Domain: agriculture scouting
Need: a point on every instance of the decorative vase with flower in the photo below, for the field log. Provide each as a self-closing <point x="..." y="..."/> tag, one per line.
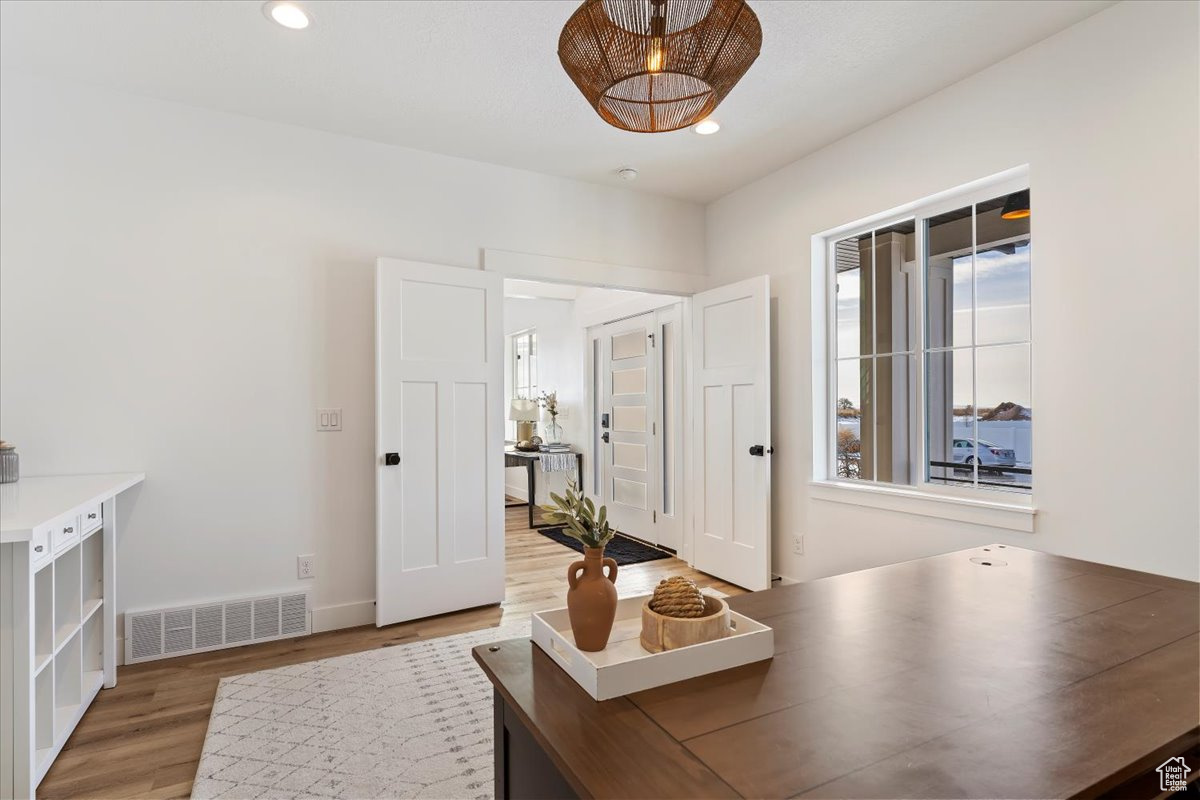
<point x="551" y="410"/>
<point x="592" y="596"/>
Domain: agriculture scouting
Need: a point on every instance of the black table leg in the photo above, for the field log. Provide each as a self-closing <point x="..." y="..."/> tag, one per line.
<point x="531" y="488"/>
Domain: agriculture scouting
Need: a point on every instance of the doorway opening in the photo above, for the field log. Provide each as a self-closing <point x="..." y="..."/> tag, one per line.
<point x="608" y="362"/>
<point x="662" y="401"/>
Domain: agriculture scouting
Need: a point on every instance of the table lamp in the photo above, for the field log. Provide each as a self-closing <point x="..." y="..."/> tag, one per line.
<point x="524" y="412"/>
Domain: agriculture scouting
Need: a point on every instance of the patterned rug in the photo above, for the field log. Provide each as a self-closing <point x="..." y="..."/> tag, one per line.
<point x="622" y="549"/>
<point x="413" y="720"/>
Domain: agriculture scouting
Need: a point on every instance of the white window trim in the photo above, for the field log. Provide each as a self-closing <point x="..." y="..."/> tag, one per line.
<point x="1012" y="511"/>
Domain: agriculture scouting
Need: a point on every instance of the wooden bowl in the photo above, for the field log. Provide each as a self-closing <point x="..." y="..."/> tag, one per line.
<point x="661" y="633"/>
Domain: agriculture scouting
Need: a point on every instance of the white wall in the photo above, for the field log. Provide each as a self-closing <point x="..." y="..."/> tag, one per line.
<point x="181" y="289"/>
<point x="1105" y="114"/>
<point x="560" y="360"/>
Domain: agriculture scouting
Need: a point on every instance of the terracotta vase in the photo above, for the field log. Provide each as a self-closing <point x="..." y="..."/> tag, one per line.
<point x="592" y="599"/>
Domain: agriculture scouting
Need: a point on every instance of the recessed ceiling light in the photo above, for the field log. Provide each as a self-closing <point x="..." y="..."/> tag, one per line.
<point x="706" y="126"/>
<point x="287" y="14"/>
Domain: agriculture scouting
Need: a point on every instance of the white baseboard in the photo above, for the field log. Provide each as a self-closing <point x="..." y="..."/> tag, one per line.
<point x="784" y="580"/>
<point x="346" y="615"/>
<point x="520" y="492"/>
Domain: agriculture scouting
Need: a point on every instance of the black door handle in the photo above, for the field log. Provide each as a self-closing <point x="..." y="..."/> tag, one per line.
<point x="604" y="437"/>
<point x="391" y="459"/>
<point x="757" y="450"/>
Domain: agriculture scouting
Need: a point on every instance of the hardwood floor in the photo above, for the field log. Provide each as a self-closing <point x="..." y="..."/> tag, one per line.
<point x="143" y="737"/>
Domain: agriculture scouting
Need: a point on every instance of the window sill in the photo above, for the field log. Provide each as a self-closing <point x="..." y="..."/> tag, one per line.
<point x="996" y="514"/>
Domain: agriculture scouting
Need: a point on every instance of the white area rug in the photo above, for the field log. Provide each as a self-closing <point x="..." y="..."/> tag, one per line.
<point x="413" y="720"/>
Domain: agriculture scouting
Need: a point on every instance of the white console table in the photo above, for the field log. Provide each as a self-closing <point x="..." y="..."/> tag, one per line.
<point x="58" y="572"/>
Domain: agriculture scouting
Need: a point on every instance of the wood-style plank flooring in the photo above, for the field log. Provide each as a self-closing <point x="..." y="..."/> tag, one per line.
<point x="143" y="737"/>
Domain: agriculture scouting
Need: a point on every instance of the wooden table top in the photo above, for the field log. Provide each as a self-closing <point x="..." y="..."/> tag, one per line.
<point x="1036" y="676"/>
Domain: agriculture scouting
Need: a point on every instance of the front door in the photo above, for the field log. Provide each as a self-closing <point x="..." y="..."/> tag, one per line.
<point x="439" y="349"/>
<point x="731" y="436"/>
<point x="629" y="458"/>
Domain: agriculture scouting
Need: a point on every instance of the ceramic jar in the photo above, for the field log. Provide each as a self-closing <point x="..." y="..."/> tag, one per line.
<point x="592" y="599"/>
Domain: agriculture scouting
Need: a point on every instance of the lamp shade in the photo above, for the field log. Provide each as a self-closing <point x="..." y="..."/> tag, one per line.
<point x="658" y="65"/>
<point x="522" y="410"/>
<point x="1016" y="205"/>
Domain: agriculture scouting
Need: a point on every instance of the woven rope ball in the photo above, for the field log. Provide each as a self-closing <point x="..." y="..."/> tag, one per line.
<point x="677" y="597"/>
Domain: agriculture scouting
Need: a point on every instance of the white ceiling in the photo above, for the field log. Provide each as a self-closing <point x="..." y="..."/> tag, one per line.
<point x="481" y="79"/>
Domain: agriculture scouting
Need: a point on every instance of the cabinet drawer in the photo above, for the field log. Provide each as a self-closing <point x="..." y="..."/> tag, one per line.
<point x="40" y="547"/>
<point x="65" y="533"/>
<point x="90" y="519"/>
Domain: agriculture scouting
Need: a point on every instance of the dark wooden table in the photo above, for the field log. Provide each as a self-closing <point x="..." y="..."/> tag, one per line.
<point x="992" y="672"/>
<point x="525" y="458"/>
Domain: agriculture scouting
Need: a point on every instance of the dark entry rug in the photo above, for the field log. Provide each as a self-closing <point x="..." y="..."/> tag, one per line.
<point x="622" y="549"/>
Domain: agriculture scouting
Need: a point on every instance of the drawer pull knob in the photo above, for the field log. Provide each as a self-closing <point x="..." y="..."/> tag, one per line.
<point x="92" y="515"/>
<point x="69" y="529"/>
<point x="39" y="548"/>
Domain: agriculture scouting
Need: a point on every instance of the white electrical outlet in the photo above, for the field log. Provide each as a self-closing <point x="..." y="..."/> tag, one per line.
<point x="329" y="419"/>
<point x="306" y="566"/>
<point x="798" y="544"/>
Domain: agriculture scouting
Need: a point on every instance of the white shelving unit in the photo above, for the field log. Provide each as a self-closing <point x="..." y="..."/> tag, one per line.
<point x="57" y="618"/>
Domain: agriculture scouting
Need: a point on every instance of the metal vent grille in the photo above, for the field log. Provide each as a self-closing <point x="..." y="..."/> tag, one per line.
<point x="210" y="620"/>
<point x="294" y="615"/>
<point x="237" y="622"/>
<point x="145" y="640"/>
<point x="177" y="636"/>
<point x="266" y="618"/>
<point x="166" y="632"/>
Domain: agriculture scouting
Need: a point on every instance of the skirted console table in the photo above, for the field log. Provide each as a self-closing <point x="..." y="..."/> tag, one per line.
<point x="527" y="460"/>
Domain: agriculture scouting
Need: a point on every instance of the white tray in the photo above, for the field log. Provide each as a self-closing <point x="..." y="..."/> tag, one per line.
<point x="625" y="667"/>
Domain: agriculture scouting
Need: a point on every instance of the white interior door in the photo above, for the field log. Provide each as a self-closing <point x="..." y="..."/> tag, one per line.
<point x="439" y="426"/>
<point x="731" y="419"/>
<point x="629" y="458"/>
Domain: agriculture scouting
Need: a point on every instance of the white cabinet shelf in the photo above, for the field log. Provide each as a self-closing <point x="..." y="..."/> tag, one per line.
<point x="90" y="607"/>
<point x="57" y="621"/>
<point x="63" y="635"/>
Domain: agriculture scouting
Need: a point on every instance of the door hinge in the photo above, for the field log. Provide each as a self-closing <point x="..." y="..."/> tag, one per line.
<point x="650" y="336"/>
<point x="654" y="429"/>
<point x="653" y="516"/>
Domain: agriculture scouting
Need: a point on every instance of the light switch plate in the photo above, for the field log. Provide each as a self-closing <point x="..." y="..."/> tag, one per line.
<point x="329" y="419"/>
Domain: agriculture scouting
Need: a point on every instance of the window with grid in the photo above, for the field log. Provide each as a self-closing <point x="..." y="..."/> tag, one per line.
<point x="524" y="365"/>
<point x="930" y="342"/>
<point x="522" y="380"/>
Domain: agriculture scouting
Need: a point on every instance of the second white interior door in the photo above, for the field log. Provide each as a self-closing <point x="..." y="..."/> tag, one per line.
<point x="629" y="459"/>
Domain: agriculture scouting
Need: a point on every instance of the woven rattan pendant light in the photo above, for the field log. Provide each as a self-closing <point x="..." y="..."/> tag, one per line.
<point x="658" y="65"/>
